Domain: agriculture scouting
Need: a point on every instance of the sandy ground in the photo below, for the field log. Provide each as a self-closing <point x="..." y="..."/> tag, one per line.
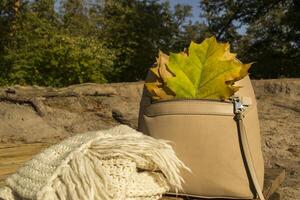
<point x="32" y="118"/>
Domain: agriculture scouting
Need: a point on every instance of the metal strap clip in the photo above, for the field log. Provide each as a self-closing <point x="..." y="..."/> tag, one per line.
<point x="238" y="105"/>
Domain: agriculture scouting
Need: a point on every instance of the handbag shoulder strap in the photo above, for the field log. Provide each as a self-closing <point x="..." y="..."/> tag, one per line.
<point x="247" y="154"/>
<point x="248" y="158"/>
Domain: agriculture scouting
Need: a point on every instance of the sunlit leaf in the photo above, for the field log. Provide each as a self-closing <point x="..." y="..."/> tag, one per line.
<point x="207" y="71"/>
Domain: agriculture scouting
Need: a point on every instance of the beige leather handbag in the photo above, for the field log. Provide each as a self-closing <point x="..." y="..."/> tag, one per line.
<point x="218" y="140"/>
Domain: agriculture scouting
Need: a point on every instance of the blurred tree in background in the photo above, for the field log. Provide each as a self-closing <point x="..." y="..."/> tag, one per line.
<point x="38" y="49"/>
<point x="264" y="31"/>
<point x="63" y="42"/>
<point x="136" y="30"/>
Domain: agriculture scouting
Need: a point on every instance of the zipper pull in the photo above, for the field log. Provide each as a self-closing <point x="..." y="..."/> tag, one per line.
<point x="238" y="105"/>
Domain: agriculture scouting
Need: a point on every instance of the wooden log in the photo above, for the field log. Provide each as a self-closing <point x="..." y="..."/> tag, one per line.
<point x="12" y="156"/>
<point x="34" y="102"/>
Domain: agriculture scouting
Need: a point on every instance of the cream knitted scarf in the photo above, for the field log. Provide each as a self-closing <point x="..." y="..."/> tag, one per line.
<point x="118" y="163"/>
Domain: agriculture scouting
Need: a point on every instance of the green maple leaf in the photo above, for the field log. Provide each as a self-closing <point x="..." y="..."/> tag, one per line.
<point x="208" y="71"/>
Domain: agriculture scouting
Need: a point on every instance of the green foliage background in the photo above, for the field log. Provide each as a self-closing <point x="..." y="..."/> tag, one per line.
<point x="63" y="42"/>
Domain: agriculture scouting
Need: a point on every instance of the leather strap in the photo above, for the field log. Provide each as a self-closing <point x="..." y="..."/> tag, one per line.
<point x="247" y="154"/>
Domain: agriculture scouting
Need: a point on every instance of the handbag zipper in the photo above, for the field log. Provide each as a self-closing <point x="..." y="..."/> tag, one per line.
<point x="239" y="107"/>
<point x="178" y="99"/>
<point x="234" y="101"/>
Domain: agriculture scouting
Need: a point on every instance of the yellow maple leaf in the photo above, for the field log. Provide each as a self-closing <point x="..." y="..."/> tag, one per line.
<point x="207" y="71"/>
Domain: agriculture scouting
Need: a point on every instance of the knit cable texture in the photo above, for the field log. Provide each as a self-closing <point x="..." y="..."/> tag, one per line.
<point x="118" y="163"/>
